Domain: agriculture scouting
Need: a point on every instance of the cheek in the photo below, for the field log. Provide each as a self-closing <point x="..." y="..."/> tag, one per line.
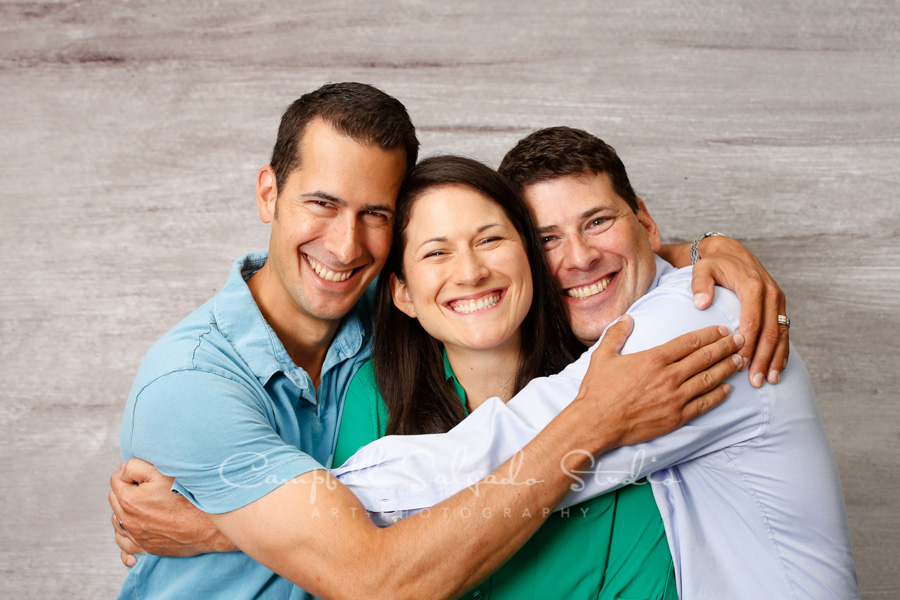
<point x="424" y="284"/>
<point x="554" y="260"/>
<point x="527" y="293"/>
<point x="378" y="243"/>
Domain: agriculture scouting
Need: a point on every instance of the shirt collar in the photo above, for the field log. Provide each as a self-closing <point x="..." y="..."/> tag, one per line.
<point x="243" y="325"/>
<point x="662" y="268"/>
<point x="454" y="383"/>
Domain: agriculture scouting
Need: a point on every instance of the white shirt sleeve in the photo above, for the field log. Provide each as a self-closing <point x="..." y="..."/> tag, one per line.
<point x="410" y="473"/>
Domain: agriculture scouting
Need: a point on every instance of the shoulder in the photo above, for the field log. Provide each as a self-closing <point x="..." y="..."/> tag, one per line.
<point x="668" y="311"/>
<point x="176" y="348"/>
<point x="194" y="347"/>
<point x="189" y="371"/>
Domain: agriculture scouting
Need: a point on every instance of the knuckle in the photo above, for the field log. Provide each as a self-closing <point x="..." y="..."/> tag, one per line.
<point x="691" y="341"/>
<point x="126" y="503"/>
<point x="755" y="286"/>
<point x="751" y="323"/>
<point x="668" y="380"/>
<point x="657" y="358"/>
<point x="770" y="336"/>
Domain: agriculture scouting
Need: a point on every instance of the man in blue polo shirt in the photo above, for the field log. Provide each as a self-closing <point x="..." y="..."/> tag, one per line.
<point x="239" y="402"/>
<point x="244" y="394"/>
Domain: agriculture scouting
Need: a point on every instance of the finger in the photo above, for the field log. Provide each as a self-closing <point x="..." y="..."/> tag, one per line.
<point x="751" y="319"/>
<point x="769" y="336"/>
<point x="124" y="539"/>
<point x="614" y="338"/>
<point x="127" y="544"/>
<point x="129" y="560"/>
<point x="702" y="285"/>
<point x="138" y="471"/>
<point x="705" y="402"/>
<point x="686" y="344"/>
<point x="780" y="357"/>
<point x="119" y="482"/>
<point x="707" y="379"/>
<point x="118" y="511"/>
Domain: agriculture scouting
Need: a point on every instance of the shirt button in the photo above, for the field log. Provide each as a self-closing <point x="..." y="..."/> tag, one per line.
<point x="478" y="595"/>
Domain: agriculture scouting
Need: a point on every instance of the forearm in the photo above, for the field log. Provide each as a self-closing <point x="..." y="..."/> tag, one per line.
<point x="678" y="255"/>
<point x="317" y="535"/>
<point x="489" y="521"/>
<point x="313" y="530"/>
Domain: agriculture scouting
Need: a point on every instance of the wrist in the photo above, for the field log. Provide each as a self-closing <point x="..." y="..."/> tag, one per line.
<point x="705" y="239"/>
<point x="580" y="438"/>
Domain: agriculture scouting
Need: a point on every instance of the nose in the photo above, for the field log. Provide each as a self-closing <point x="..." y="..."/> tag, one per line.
<point x="346" y="240"/>
<point x="579" y="254"/>
<point x="470" y="269"/>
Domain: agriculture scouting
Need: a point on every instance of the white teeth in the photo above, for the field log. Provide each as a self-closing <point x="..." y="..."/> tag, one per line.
<point x="470" y="306"/>
<point x="326" y="273"/>
<point x="589" y="290"/>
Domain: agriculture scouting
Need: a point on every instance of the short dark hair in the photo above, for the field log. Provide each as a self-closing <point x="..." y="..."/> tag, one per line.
<point x="408" y="365"/>
<point x="359" y="111"/>
<point x="559" y="151"/>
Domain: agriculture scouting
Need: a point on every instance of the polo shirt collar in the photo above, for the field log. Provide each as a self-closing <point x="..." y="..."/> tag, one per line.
<point x="454" y="383"/>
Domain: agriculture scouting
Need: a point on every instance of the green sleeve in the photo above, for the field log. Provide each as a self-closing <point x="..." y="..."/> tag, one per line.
<point x="364" y="417"/>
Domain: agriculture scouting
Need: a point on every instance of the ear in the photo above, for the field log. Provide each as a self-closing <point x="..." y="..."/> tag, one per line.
<point x="400" y="294"/>
<point x="266" y="194"/>
<point x="649" y="225"/>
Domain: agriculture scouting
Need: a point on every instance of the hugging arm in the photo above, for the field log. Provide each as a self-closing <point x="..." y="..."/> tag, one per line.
<point x="503" y="428"/>
<point x="315" y="532"/>
<point x="728" y="263"/>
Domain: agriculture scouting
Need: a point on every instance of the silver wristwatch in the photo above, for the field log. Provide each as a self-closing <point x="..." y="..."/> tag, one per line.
<point x="695" y="252"/>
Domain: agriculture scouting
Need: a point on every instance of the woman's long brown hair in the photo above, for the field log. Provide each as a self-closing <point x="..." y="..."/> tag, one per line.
<point x="408" y="363"/>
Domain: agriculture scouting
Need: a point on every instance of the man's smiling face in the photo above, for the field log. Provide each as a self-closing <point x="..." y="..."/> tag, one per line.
<point x="331" y="223"/>
<point x="600" y="251"/>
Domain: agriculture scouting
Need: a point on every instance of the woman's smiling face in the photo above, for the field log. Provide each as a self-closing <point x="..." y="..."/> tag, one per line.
<point x="467" y="277"/>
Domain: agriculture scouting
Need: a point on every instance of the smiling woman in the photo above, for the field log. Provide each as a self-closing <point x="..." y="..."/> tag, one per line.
<point x="469" y="284"/>
<point x="467" y="309"/>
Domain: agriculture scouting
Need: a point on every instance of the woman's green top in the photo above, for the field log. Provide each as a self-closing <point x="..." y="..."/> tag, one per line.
<point x="612" y="547"/>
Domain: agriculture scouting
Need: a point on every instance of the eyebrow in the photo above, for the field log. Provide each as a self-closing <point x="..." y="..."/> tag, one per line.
<point x="581" y="217"/>
<point x="320" y="195"/>
<point x="443" y="239"/>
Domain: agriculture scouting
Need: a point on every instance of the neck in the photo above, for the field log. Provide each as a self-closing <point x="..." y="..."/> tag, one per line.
<point x="487" y="373"/>
<point x="305" y="338"/>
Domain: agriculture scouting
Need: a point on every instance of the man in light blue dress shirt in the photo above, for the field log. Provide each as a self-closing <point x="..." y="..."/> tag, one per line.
<point x="749" y="493"/>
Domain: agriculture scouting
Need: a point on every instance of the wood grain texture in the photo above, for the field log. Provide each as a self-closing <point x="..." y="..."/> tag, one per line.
<point x="132" y="133"/>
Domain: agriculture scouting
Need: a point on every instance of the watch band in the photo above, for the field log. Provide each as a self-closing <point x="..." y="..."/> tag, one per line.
<point x="695" y="252"/>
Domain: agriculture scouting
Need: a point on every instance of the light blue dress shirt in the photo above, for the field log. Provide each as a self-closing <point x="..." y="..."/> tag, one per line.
<point x="219" y="405"/>
<point x="749" y="493"/>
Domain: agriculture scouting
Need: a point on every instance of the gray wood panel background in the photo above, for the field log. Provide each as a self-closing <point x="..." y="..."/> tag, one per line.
<point x="132" y="133"/>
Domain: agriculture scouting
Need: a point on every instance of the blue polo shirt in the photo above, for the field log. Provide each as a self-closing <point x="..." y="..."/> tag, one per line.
<point x="219" y="405"/>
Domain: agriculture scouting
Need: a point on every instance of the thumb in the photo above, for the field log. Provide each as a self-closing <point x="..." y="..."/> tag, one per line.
<point x="614" y="338"/>
<point x="138" y="471"/>
<point x="702" y="285"/>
